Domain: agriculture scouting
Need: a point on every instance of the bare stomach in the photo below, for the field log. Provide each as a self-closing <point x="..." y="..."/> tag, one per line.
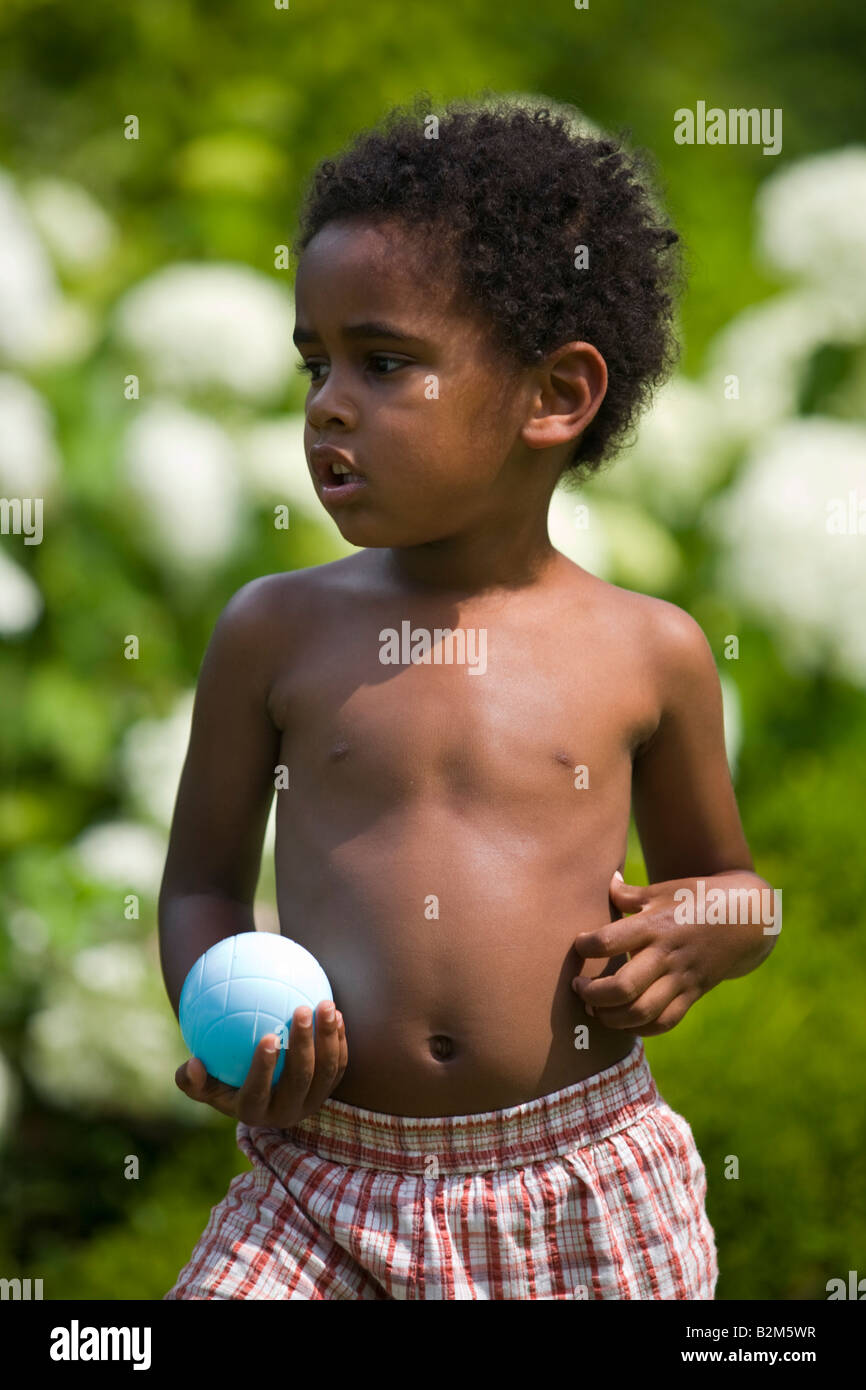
<point x="451" y="958"/>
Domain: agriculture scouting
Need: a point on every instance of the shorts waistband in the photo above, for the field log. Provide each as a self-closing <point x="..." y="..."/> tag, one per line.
<point x="532" y="1132"/>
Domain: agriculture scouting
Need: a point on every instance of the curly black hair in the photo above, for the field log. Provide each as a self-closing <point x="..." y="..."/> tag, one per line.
<point x="507" y="192"/>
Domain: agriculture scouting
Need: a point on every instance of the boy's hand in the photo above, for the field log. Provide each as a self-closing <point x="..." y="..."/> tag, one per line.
<point x="312" y="1070"/>
<point x="670" y="964"/>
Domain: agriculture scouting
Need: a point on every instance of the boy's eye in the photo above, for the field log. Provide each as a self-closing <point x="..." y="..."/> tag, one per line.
<point x="384" y="357"/>
<point x="310" y="367"/>
<point x="375" y="357"/>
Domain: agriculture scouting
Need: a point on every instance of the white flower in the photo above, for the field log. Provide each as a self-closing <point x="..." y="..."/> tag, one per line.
<point x="36" y="324"/>
<point x="678" y="455"/>
<point x="152" y="757"/>
<point x="123" y="853"/>
<point x="575" y="529"/>
<point x="117" y="968"/>
<point x="612" y="540"/>
<point x="181" y="465"/>
<point x="274" y="464"/>
<point x="273" y="459"/>
<point x="106" y="1035"/>
<point x="781" y="558"/>
<point x="28" y="932"/>
<point x="811" y="218"/>
<point x="211" y="325"/>
<point x="767" y="348"/>
<point x="29" y="460"/>
<point x="21" y="603"/>
<point x="73" y="225"/>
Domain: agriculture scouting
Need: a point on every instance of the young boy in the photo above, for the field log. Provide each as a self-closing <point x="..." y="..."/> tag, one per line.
<point x="466" y="718"/>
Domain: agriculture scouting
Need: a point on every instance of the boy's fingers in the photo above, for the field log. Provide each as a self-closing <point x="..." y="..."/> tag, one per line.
<point x="193" y="1079"/>
<point x="617" y="938"/>
<point x="313" y="1067"/>
<point x="288" y="1096"/>
<point x="314" y="1073"/>
<point x="254" y="1097"/>
<point x="632" y="896"/>
<point x="195" y="1082"/>
<point x="328" y="1051"/>
<point x="190" y="1080"/>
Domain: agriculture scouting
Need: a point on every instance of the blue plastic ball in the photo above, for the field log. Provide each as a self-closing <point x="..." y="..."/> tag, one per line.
<point x="242" y="988"/>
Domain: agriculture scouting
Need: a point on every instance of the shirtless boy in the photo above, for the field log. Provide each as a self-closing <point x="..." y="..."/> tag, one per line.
<point x="479" y="1119"/>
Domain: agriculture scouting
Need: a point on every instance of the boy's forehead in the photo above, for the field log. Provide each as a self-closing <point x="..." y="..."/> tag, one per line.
<point x="374" y="270"/>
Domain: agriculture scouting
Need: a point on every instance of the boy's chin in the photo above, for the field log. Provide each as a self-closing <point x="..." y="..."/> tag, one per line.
<point x="370" y="534"/>
<point x="363" y="532"/>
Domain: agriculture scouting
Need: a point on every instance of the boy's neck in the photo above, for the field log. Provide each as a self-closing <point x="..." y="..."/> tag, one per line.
<point x="469" y="566"/>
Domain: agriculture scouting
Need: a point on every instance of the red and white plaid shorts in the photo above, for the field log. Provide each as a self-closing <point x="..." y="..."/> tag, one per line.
<point x="593" y="1192"/>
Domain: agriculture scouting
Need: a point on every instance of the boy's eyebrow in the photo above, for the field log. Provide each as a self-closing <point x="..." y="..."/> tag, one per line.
<point x="359" y="330"/>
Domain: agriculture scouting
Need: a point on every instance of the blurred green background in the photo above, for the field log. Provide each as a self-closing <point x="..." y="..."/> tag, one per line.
<point x="154" y="258"/>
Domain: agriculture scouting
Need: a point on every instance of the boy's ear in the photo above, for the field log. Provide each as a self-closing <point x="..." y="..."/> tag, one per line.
<point x="570" y="386"/>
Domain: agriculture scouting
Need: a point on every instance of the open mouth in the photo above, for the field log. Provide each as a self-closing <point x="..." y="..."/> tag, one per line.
<point x="341" y="476"/>
<point x="334" y="472"/>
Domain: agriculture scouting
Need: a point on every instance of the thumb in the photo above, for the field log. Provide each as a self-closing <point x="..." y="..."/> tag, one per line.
<point x="631" y="897"/>
<point x="192" y="1076"/>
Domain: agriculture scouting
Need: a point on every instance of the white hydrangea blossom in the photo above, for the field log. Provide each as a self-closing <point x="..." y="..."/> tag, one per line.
<point x="613" y="540"/>
<point x="36" y="323"/>
<point x="124" y="854"/>
<point x="274" y="462"/>
<point x="78" y="233"/>
<point x="152" y="756"/>
<point x="105" y="1035"/>
<point x="115" y="967"/>
<point x="811" y="220"/>
<point x="28" y="932"/>
<point x="571" y="530"/>
<point x="274" y="466"/>
<point x="679" y="452"/>
<point x="29" y="458"/>
<point x="21" y="603"/>
<point x="767" y="348"/>
<point x="781" y="561"/>
<point x="181" y="465"/>
<point x="213" y="325"/>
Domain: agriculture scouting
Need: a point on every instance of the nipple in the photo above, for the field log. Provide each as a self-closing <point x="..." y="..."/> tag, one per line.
<point x="441" y="1046"/>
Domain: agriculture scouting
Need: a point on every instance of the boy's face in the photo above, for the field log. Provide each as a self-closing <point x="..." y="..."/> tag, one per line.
<point x="429" y="419"/>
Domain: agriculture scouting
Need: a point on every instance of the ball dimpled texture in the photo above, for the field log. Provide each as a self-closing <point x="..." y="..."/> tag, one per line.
<point x="242" y="988"/>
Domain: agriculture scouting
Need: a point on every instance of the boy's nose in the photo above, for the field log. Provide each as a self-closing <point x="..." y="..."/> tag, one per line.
<point x="331" y="404"/>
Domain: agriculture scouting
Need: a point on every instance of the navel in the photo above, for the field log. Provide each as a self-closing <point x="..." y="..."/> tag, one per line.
<point x="441" y="1046"/>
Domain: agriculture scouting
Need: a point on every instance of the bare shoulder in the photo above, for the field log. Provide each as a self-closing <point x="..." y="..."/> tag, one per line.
<point x="672" y="634"/>
<point x="263" y="622"/>
<point x="663" y="624"/>
<point x="665" y="635"/>
<point x="286" y="597"/>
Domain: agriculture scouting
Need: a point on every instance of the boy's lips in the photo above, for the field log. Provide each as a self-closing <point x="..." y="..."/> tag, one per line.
<point x="336" y="485"/>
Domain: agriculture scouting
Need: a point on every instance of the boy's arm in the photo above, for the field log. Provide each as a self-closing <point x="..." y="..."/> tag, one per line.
<point x="682" y="796"/>
<point x="690" y="831"/>
<point x="225" y="791"/>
